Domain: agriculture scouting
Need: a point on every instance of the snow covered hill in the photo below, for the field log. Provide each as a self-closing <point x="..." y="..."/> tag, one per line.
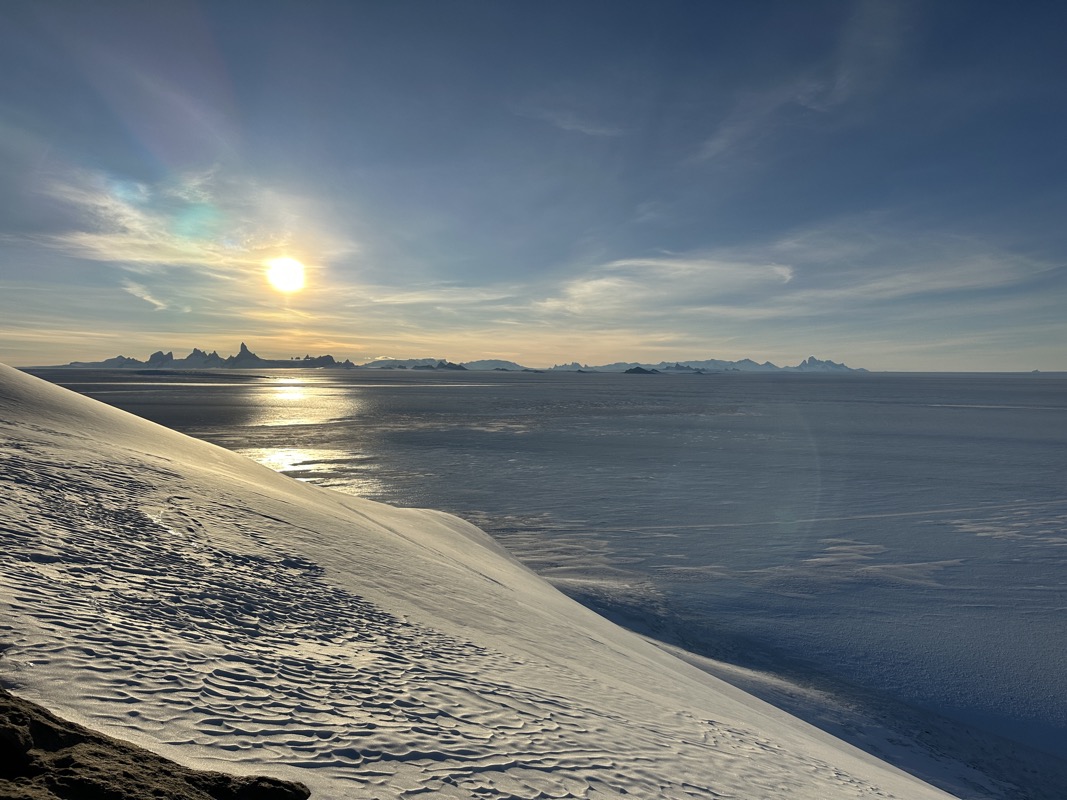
<point x="169" y="592"/>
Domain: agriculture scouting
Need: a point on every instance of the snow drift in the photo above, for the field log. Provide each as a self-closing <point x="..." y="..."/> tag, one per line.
<point x="172" y="593"/>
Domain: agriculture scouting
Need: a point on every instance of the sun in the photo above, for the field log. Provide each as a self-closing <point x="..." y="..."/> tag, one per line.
<point x="285" y="274"/>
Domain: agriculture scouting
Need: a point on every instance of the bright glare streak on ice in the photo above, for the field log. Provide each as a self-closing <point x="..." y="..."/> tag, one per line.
<point x="349" y="472"/>
<point x="295" y="402"/>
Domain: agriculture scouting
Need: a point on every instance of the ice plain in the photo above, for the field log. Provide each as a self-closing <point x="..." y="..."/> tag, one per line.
<point x="172" y="593"/>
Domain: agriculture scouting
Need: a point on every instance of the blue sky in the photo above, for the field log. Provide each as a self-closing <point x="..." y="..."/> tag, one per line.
<point x="880" y="183"/>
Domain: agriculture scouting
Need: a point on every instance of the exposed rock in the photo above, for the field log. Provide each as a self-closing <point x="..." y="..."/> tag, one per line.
<point x="202" y="360"/>
<point x="813" y="364"/>
<point x="160" y="359"/>
<point x="43" y="757"/>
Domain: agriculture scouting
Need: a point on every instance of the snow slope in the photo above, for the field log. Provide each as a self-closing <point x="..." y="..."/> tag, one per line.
<point x="169" y="592"/>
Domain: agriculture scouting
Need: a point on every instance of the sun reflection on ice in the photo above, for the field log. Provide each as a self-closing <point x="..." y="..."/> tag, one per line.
<point x="302" y="401"/>
<point x="291" y="393"/>
<point x="352" y="473"/>
<point x="308" y="409"/>
<point x="287" y="459"/>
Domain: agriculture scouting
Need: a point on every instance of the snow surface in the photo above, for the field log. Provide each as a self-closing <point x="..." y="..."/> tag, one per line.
<point x="170" y="592"/>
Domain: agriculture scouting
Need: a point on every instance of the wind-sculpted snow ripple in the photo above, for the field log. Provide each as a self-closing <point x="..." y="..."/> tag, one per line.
<point x="170" y="615"/>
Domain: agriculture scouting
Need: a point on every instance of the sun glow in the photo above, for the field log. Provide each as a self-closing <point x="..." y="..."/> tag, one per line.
<point x="285" y="274"/>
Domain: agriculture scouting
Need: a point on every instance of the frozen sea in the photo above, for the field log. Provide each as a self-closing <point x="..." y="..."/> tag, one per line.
<point x="903" y="535"/>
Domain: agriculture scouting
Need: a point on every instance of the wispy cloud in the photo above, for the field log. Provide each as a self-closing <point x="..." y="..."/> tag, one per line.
<point x="142" y="292"/>
<point x="868" y="50"/>
<point x="570" y="109"/>
<point x="200" y="220"/>
<point x="647" y="286"/>
<point x="866" y="260"/>
<point x="437" y="295"/>
<point x="752" y="118"/>
<point x="572" y="121"/>
<point x="846" y="286"/>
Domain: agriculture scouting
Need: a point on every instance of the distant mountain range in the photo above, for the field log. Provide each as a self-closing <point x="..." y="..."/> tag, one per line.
<point x="708" y="366"/>
<point x="198" y="359"/>
<point x="246" y="359"/>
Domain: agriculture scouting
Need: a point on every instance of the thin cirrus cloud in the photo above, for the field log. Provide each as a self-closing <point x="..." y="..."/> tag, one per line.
<point x="867" y="52"/>
<point x="196" y="228"/>
<point x="562" y="112"/>
<point x="144" y="228"/>
<point x="870" y="262"/>
<point x="142" y="292"/>
<point x="838" y="272"/>
<point x="752" y="120"/>
<point x="174" y="97"/>
<point x="648" y="286"/>
<point x="571" y="121"/>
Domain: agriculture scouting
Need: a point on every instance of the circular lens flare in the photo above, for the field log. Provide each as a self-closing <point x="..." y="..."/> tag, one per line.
<point x="285" y="274"/>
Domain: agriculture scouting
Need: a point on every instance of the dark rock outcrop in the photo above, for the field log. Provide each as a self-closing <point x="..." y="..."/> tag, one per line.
<point x="159" y="359"/>
<point x="43" y="757"/>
